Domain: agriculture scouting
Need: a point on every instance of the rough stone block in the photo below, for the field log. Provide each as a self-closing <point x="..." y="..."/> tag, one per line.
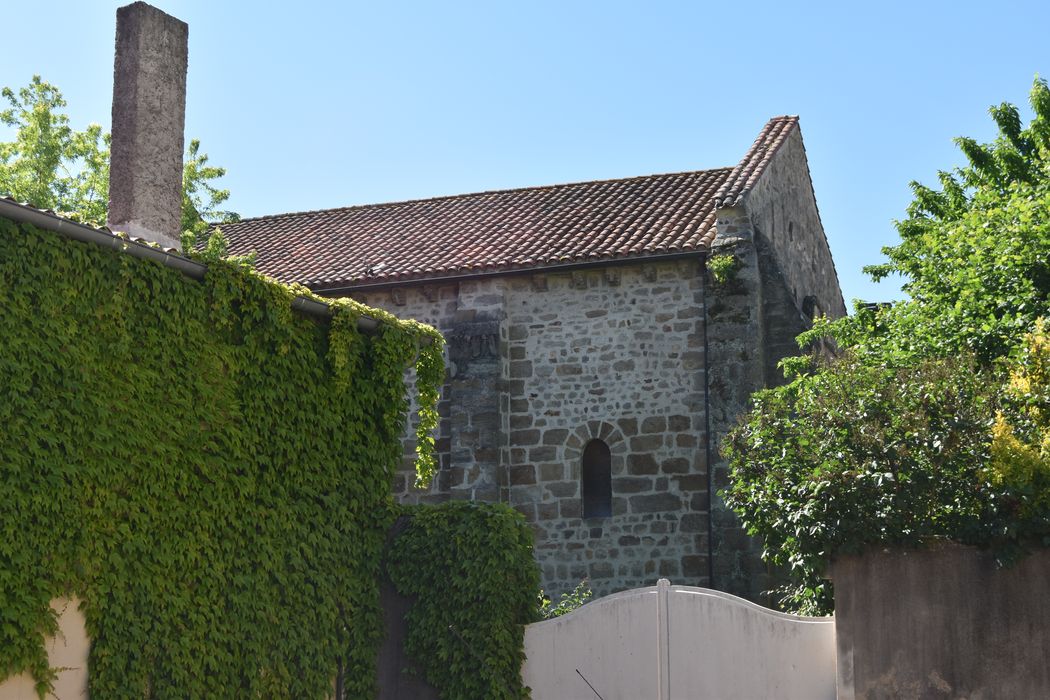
<point x="655" y="503"/>
<point x="528" y="510"/>
<point x="641" y="464"/>
<point x="570" y="508"/>
<point x="546" y="453"/>
<point x="675" y="465"/>
<point x="693" y="482"/>
<point x="546" y="511"/>
<point x="522" y="474"/>
<point x="520" y="369"/>
<point x="692" y="360"/>
<point x="555" y="436"/>
<point x="678" y="423"/>
<point x="148" y="118"/>
<point x="654" y="424"/>
<point x="563" y="489"/>
<point x="693" y="522"/>
<point x="552" y="472"/>
<point x="647" y="443"/>
<point x="694" y="566"/>
<point x="685" y="440"/>
<point x="669" y="567"/>
<point x="628" y="426"/>
<point x="525" y="438"/>
<point x="631" y="484"/>
<point x="520" y="421"/>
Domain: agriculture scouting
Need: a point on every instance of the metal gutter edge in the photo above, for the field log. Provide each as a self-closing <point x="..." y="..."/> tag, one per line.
<point x="566" y="267"/>
<point x="190" y="268"/>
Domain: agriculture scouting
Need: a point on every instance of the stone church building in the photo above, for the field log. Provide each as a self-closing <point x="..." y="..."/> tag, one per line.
<point x="594" y="360"/>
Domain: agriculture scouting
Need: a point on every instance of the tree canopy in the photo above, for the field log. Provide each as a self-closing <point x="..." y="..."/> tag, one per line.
<point x="51" y="165"/>
<point x="893" y="440"/>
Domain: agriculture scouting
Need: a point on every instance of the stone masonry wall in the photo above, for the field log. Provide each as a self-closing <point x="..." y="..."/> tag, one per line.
<point x="541" y="364"/>
<point x="614" y="354"/>
<point x="785" y="277"/>
<point x="784" y="213"/>
<point x="737" y="358"/>
<point x="471" y="434"/>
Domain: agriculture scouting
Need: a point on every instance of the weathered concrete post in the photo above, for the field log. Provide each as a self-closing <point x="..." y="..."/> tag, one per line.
<point x="149" y="105"/>
<point x="941" y="622"/>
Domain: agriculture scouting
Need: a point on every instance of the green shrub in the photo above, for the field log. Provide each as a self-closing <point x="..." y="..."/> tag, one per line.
<point x="723" y="267"/>
<point x="471" y="570"/>
<point x="567" y="603"/>
<point x="854" y="455"/>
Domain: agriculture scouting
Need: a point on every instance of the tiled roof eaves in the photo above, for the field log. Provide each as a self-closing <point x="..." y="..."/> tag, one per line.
<point x="488" y="233"/>
<point x="472" y="195"/>
<point x="458" y="275"/>
<point x="754" y="162"/>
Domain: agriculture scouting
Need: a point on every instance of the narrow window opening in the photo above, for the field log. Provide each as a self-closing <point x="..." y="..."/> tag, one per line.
<point x="597" y="480"/>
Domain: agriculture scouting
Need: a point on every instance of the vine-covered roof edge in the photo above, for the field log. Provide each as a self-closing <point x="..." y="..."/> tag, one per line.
<point x="139" y="248"/>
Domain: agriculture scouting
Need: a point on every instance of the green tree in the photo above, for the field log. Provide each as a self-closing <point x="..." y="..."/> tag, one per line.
<point x="51" y="165"/>
<point x="892" y="441"/>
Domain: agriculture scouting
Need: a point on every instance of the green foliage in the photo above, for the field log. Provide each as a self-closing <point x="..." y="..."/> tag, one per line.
<point x="200" y="198"/>
<point x="723" y="267"/>
<point x="856" y="454"/>
<point x="49" y="164"/>
<point x="207" y="470"/>
<point x="893" y="442"/>
<point x="1020" y="459"/>
<point x="567" y="603"/>
<point x="975" y="256"/>
<point x="470" y="568"/>
<point x="53" y="166"/>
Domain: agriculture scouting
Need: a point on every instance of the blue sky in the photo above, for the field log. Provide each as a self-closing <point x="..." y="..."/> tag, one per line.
<point x="314" y="105"/>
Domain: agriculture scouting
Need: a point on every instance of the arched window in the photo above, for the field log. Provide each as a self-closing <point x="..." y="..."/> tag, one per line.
<point x="596" y="480"/>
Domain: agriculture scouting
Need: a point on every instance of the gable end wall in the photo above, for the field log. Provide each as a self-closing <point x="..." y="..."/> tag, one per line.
<point x="783" y="211"/>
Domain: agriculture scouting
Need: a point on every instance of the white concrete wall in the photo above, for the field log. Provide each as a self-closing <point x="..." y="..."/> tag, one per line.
<point x="676" y="642"/>
<point x="67" y="653"/>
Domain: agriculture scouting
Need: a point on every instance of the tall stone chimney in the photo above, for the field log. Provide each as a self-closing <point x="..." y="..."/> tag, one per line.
<point x="149" y="115"/>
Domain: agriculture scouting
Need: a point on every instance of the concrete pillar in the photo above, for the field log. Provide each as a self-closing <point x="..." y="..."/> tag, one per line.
<point x="149" y="106"/>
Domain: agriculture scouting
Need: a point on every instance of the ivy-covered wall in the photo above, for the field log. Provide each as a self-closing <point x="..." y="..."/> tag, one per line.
<point x="206" y="469"/>
<point x="468" y="568"/>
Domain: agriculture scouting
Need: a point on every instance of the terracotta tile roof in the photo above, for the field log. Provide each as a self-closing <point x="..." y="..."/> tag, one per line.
<point x="491" y="232"/>
<point x="747" y="172"/>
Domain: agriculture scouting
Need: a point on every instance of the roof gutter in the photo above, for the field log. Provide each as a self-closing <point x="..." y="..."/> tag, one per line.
<point x="564" y="267"/>
<point x="190" y="268"/>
